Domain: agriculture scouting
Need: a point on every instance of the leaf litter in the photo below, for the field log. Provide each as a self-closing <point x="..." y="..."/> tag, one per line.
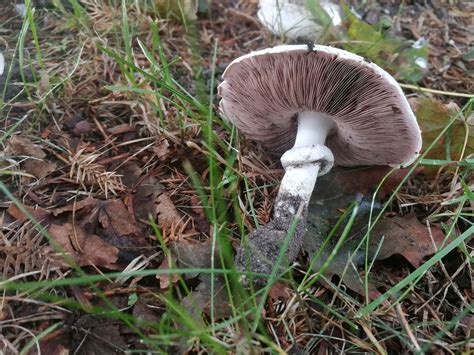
<point x="398" y="235"/>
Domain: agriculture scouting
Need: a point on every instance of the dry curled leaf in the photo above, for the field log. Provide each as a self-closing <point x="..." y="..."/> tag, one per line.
<point x="34" y="163"/>
<point x="84" y="248"/>
<point x="115" y="216"/>
<point x="168" y="215"/>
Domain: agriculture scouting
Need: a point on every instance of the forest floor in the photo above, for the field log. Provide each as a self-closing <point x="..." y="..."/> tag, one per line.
<point x="123" y="194"/>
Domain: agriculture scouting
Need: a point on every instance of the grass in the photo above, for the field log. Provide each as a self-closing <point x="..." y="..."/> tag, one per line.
<point x="147" y="80"/>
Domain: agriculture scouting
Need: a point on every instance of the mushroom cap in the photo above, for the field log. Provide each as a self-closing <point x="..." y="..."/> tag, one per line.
<point x="292" y="19"/>
<point x="2" y="63"/>
<point x="263" y="92"/>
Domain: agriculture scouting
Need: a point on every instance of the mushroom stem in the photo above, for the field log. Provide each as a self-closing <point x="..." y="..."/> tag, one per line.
<point x="308" y="158"/>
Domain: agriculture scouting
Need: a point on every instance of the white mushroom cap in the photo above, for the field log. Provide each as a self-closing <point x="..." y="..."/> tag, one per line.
<point x="2" y="63"/>
<point x="291" y="18"/>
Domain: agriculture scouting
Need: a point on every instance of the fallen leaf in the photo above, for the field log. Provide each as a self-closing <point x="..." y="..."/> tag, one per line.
<point x="114" y="215"/>
<point x="96" y="335"/>
<point x="35" y="163"/>
<point x="76" y="206"/>
<point x="84" y="127"/>
<point x="143" y="311"/>
<point x="193" y="254"/>
<point x="121" y="128"/>
<point x="181" y="10"/>
<point x="145" y="198"/>
<point x="166" y="212"/>
<point x="52" y="345"/>
<point x="131" y="173"/>
<point x="363" y="180"/>
<point x="279" y="291"/>
<point x="167" y="279"/>
<point x="405" y="236"/>
<point x="199" y="301"/>
<point x="85" y="249"/>
<point x="433" y="116"/>
<point x="38" y="213"/>
<point x="23" y="146"/>
<point x="38" y="168"/>
<point x="162" y="150"/>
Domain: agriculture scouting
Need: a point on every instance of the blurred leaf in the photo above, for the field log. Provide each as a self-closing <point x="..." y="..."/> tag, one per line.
<point x="317" y="11"/>
<point x="181" y="10"/>
<point x="392" y="53"/>
<point x="132" y="299"/>
<point x="433" y="116"/>
<point x="203" y="6"/>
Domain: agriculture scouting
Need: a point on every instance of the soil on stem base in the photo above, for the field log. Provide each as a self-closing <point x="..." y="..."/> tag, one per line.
<point x="260" y="253"/>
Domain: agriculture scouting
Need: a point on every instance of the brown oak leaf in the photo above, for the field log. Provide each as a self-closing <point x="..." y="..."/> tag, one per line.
<point x="85" y="249"/>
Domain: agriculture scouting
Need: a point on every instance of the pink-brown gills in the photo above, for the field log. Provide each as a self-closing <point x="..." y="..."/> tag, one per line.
<point x="262" y="94"/>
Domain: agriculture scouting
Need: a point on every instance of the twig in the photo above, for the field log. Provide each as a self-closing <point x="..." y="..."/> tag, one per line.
<point x="433" y="91"/>
<point x="406" y="326"/>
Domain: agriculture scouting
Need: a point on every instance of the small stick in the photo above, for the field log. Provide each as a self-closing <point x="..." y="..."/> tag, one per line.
<point x="405" y="325"/>
<point x="433" y="91"/>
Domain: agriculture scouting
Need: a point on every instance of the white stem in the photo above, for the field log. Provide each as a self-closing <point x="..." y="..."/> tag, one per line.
<point x="313" y="128"/>
<point x="308" y="157"/>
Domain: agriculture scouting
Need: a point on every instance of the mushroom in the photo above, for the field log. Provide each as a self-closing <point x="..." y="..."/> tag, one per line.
<point x="2" y="63"/>
<point x="314" y="106"/>
<point x="292" y="19"/>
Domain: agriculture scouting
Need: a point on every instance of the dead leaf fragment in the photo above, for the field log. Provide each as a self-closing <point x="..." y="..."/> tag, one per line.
<point x="178" y="9"/>
<point x="145" y="198"/>
<point x="162" y="150"/>
<point x="193" y="254"/>
<point x="38" y="168"/>
<point x="84" y="127"/>
<point x="114" y="215"/>
<point x="406" y="236"/>
<point x="35" y="164"/>
<point x="122" y="128"/>
<point x="85" y="249"/>
<point x="167" y="279"/>
<point x="76" y="206"/>
<point x="199" y="301"/>
<point x="39" y="214"/>
<point x="23" y="146"/>
<point x="363" y="180"/>
<point x="433" y="116"/>
<point x="168" y="215"/>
